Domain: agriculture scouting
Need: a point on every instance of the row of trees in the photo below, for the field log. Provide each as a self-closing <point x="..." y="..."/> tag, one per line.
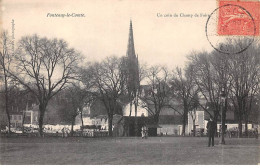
<point x="201" y="83"/>
<point x="235" y="76"/>
<point x="44" y="67"/>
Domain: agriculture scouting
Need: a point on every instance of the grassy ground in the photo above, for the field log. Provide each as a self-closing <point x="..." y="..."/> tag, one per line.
<point x="130" y="150"/>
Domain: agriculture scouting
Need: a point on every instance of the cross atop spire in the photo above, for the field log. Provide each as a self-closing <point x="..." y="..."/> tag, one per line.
<point x="130" y="47"/>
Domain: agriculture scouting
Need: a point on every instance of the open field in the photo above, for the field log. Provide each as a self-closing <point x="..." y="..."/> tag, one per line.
<point x="130" y="150"/>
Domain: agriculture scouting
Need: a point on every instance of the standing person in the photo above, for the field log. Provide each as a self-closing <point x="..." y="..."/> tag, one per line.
<point x="211" y="131"/>
<point x="6" y="129"/>
<point x="143" y="132"/>
<point x="63" y="132"/>
<point x="66" y="133"/>
<point x="256" y="133"/>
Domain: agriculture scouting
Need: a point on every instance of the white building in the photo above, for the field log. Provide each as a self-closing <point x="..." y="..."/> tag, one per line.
<point x="141" y="111"/>
<point x="201" y="121"/>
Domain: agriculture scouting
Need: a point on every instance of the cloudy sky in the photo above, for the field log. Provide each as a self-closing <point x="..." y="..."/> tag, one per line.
<point x="104" y="29"/>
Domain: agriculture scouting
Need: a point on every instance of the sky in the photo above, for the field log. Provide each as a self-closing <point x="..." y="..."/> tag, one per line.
<point x="159" y="39"/>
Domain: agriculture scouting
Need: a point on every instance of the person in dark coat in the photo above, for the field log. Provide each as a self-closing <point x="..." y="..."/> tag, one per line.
<point x="211" y="132"/>
<point x="256" y="133"/>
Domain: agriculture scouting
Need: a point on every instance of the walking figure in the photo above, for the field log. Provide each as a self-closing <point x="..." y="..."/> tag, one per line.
<point x="211" y="131"/>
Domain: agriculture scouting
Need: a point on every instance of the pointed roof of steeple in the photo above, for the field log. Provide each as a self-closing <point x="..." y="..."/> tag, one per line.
<point x="130" y="46"/>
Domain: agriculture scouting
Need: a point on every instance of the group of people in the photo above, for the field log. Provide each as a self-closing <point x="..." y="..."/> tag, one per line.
<point x="65" y="132"/>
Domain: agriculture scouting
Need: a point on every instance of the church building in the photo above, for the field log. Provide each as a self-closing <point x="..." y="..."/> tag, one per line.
<point x="133" y="111"/>
<point x="130" y="107"/>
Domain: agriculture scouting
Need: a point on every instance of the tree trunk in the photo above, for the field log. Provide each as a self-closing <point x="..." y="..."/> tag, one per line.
<point x="156" y="118"/>
<point x="246" y="125"/>
<point x="245" y="114"/>
<point x="24" y="113"/>
<point x="136" y="122"/>
<point x="110" y="124"/>
<point x="72" y="125"/>
<point x="130" y="108"/>
<point x="223" y="122"/>
<point x="127" y="122"/>
<point x="185" y="116"/>
<point x="42" y="108"/>
<point x="239" y="128"/>
<point x="183" y="126"/>
<point x="82" y="123"/>
<point x="194" y="128"/>
<point x="6" y="102"/>
<point x="240" y="114"/>
<point x="215" y="119"/>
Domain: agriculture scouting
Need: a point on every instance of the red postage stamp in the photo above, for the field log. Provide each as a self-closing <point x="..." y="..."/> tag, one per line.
<point x="239" y="18"/>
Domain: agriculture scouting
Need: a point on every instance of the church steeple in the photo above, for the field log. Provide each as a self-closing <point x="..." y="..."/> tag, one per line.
<point x="131" y="47"/>
<point x="132" y="64"/>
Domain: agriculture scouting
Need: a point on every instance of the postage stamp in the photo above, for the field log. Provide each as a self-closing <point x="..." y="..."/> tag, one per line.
<point x="239" y="18"/>
<point x="231" y="22"/>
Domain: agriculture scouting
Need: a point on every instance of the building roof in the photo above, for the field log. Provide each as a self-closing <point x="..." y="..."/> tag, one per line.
<point x="170" y="119"/>
<point x="153" y="126"/>
<point x="101" y="117"/>
<point x="169" y="111"/>
<point x="116" y="118"/>
<point x="229" y="115"/>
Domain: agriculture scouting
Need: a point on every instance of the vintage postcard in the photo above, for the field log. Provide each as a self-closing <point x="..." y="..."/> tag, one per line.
<point x="122" y="82"/>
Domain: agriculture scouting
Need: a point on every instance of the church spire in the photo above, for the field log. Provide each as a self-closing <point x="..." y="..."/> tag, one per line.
<point x="131" y="47"/>
<point x="132" y="64"/>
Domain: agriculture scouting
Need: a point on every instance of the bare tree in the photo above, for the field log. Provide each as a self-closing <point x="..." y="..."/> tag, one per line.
<point x="184" y="91"/>
<point x="193" y="113"/>
<point x="109" y="83"/>
<point x="75" y="99"/>
<point x="233" y="77"/>
<point x="157" y="97"/>
<point x="86" y="87"/>
<point x="221" y="65"/>
<point x="207" y="82"/>
<point x="245" y="68"/>
<point x="5" y="61"/>
<point x="44" y="66"/>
